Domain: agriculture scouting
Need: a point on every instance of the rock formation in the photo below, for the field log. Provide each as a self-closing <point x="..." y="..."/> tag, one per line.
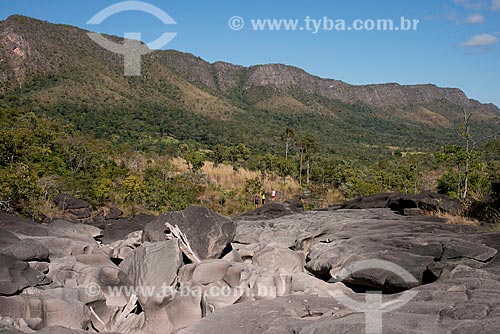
<point x="195" y="271"/>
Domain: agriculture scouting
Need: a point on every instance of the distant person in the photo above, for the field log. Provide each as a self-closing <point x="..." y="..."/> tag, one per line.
<point x="263" y="199"/>
<point x="256" y="201"/>
<point x="273" y="195"/>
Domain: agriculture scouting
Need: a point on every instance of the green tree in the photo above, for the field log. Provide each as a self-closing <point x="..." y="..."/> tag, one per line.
<point x="133" y="189"/>
<point x="287" y="136"/>
<point x="308" y="148"/>
<point x="462" y="165"/>
<point x="469" y="155"/>
<point x="284" y="167"/>
<point x="19" y="189"/>
<point x="238" y="155"/>
<point x="102" y="189"/>
<point x="194" y="159"/>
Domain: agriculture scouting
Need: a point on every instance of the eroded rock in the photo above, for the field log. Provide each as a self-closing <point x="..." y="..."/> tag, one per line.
<point x="208" y="233"/>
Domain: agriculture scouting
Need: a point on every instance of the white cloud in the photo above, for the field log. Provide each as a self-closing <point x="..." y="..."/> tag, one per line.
<point x="446" y="14"/>
<point x="495" y="5"/>
<point x="472" y="4"/>
<point x="475" y="19"/>
<point x="481" y="40"/>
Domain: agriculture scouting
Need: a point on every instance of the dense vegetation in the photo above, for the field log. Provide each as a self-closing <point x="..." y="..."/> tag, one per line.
<point x="41" y="157"/>
<point x="71" y="122"/>
<point x="181" y="97"/>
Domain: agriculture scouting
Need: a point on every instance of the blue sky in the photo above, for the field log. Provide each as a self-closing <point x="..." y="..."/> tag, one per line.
<point x="456" y="44"/>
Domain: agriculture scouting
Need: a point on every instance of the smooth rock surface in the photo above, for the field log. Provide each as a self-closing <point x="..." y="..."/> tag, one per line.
<point x="208" y="232"/>
<point x="153" y="266"/>
<point x="298" y="273"/>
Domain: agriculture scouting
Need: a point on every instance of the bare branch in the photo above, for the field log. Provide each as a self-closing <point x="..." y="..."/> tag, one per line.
<point x="175" y="232"/>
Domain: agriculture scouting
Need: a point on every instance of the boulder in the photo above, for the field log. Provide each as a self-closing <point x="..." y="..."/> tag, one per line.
<point x="24" y="250"/>
<point x="208" y="233"/>
<point x="169" y="314"/>
<point x="273" y="210"/>
<point x="67" y="202"/>
<point x="118" y="229"/>
<point x="256" y="282"/>
<point x="210" y="271"/>
<point x="306" y="284"/>
<point x="62" y="247"/>
<point x="16" y="275"/>
<point x="16" y="224"/>
<point x="7" y="238"/>
<point x="334" y="240"/>
<point x="426" y="201"/>
<point x="64" y="229"/>
<point x="61" y="330"/>
<point x="464" y="302"/>
<point x="80" y="271"/>
<point x="122" y="248"/>
<point x="370" y="202"/>
<point x="113" y="213"/>
<point x="78" y="208"/>
<point x="45" y="308"/>
<point x="277" y="259"/>
<point x="295" y="205"/>
<point x="153" y="267"/>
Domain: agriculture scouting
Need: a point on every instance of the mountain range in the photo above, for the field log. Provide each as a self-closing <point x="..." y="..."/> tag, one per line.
<point x="59" y="71"/>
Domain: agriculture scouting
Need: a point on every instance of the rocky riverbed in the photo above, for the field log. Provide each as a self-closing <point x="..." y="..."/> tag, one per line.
<point x="273" y="270"/>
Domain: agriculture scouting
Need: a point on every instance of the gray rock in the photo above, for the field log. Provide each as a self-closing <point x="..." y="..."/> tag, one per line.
<point x="123" y="248"/>
<point x="21" y="225"/>
<point x="117" y="229"/>
<point x="334" y="240"/>
<point x="62" y="247"/>
<point x="114" y="213"/>
<point x="68" y="202"/>
<point x="167" y="315"/>
<point x="55" y="307"/>
<point x="16" y="275"/>
<point x="464" y="302"/>
<point x="281" y="260"/>
<point x="78" y="208"/>
<point x="25" y="250"/>
<point x="495" y="186"/>
<point x="210" y="271"/>
<point x="261" y="286"/>
<point x="426" y="201"/>
<point x="209" y="233"/>
<point x="153" y="266"/>
<point x="64" y="229"/>
<point x="273" y="210"/>
<point x="61" y="330"/>
<point x="369" y="202"/>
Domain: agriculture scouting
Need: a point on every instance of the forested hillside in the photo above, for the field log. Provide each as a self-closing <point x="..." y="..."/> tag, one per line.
<point x="72" y="122"/>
